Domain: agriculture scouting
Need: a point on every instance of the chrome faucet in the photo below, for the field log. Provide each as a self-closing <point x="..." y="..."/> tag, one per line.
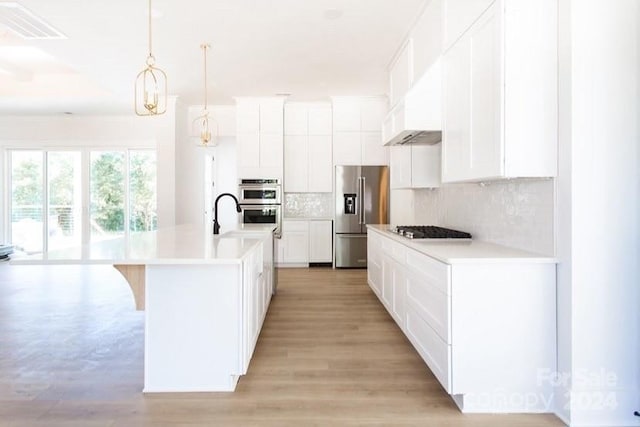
<point x="216" y="224"/>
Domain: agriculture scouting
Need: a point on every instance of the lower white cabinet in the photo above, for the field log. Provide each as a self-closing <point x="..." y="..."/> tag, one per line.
<point x="304" y="242"/>
<point x="293" y="246"/>
<point x="320" y="241"/>
<point x="485" y="327"/>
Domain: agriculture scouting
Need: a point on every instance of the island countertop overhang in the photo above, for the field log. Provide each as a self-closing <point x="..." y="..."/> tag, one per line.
<point x="181" y="244"/>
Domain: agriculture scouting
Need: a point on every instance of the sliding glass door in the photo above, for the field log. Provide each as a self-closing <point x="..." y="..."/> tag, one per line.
<point x="64" y="199"/>
<point x="27" y="200"/>
<point x="55" y="193"/>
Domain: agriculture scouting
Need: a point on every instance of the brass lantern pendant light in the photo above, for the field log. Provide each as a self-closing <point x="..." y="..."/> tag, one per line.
<point x="151" y="85"/>
<point x="202" y="125"/>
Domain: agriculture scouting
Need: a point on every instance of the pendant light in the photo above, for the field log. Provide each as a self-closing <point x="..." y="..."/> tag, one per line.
<point x="203" y="123"/>
<point x="151" y="85"/>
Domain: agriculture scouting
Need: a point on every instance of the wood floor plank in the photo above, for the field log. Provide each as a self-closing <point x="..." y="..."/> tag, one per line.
<point x="71" y="354"/>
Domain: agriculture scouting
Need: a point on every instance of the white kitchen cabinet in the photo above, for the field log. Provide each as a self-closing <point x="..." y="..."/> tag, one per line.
<point x="394" y="283"/>
<point x="418" y="117"/>
<point x="305" y="241"/>
<point x="401" y="73"/>
<point x="293" y="246"/>
<point x="320" y="161"/>
<point x="346" y="115"/>
<point x="320" y="120"/>
<point x="373" y="151"/>
<point x="426" y="36"/>
<point x="308" y="162"/>
<point x="415" y="166"/>
<point x="296" y="162"/>
<point x="458" y="16"/>
<point x="361" y="143"/>
<point x="347" y="148"/>
<point x="500" y="89"/>
<point x="295" y="119"/>
<point x="321" y="241"/>
<point x="260" y="126"/>
<point x="497" y="313"/>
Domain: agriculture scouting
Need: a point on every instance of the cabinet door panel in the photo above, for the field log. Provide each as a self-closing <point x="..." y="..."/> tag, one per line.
<point x="346" y="116"/>
<point x="425" y="166"/>
<point x="320" y="241"/>
<point x="320" y="122"/>
<point x="346" y="148"/>
<point x="373" y="152"/>
<point x="486" y="74"/>
<point x="295" y="120"/>
<point x="400" y="74"/>
<point x="248" y="117"/>
<point x="297" y="247"/>
<point x="457" y="112"/>
<point x="271" y="117"/>
<point x="427" y="38"/>
<point x="296" y="154"/>
<point x="459" y="15"/>
<point x="271" y="146"/>
<point x="320" y="161"/>
<point x="248" y="149"/>
<point x="400" y="166"/>
<point x="372" y="115"/>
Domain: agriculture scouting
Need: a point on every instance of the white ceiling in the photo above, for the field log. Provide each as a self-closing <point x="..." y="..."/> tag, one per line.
<point x="311" y="49"/>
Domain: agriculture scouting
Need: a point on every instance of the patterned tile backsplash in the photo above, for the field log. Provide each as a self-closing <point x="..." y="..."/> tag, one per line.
<point x="308" y="205"/>
<point x="516" y="213"/>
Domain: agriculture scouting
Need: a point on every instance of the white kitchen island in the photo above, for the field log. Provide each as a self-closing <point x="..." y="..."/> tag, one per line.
<point x="205" y="298"/>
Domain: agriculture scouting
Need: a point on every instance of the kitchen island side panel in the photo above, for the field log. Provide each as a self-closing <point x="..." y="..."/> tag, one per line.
<point x="193" y="326"/>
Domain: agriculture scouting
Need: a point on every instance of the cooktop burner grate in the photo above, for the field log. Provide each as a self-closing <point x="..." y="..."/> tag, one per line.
<point x="429" y="232"/>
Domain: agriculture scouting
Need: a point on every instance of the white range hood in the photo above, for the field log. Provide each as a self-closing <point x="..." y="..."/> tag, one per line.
<point x="417" y="119"/>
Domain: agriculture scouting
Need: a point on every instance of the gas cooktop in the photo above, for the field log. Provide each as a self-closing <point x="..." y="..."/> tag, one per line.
<point x="429" y="232"/>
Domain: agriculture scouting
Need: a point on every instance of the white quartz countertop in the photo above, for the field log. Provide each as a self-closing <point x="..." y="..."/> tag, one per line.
<point x="183" y="244"/>
<point x="468" y="251"/>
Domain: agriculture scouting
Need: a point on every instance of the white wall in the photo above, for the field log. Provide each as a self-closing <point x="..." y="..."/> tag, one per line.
<point x="516" y="213"/>
<point x="598" y="212"/>
<point x="101" y="131"/>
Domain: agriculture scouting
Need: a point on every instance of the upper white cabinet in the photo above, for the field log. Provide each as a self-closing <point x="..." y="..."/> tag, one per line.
<point x="459" y="15"/>
<point x="500" y="90"/>
<point x="401" y="73"/>
<point x="307" y="148"/>
<point x="415" y="166"/>
<point x="260" y="125"/>
<point x="426" y="37"/>
<point x="357" y="136"/>
<point x="418" y="117"/>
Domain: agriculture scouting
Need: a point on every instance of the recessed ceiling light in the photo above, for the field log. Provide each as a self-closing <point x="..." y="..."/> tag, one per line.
<point x="332" y="14"/>
<point x="283" y="94"/>
<point x="26" y="24"/>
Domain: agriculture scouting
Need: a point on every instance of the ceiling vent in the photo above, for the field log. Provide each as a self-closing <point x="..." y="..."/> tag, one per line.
<point x="26" y="24"/>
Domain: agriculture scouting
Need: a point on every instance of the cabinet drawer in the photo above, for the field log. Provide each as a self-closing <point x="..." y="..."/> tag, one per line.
<point x="395" y="250"/>
<point x="433" y="305"/>
<point x="295" y="226"/>
<point x="435" y="352"/>
<point x="434" y="272"/>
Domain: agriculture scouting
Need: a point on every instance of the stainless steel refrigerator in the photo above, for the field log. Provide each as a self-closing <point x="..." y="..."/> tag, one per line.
<point x="362" y="197"/>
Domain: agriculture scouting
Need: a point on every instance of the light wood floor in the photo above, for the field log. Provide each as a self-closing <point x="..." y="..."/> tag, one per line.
<point x="71" y="354"/>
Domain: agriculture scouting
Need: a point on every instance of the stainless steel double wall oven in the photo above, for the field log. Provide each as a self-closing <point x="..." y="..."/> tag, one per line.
<point x="261" y="202"/>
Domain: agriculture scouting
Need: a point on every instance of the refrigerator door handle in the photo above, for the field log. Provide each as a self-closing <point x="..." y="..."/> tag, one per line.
<point x="359" y="200"/>
<point x="363" y="185"/>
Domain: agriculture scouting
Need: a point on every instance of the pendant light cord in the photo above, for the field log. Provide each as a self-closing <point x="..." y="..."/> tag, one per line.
<point x="204" y="50"/>
<point x="150" y="45"/>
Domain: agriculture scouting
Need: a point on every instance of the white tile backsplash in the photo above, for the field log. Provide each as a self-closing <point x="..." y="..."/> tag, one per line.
<point x="308" y="205"/>
<point x="516" y="213"/>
